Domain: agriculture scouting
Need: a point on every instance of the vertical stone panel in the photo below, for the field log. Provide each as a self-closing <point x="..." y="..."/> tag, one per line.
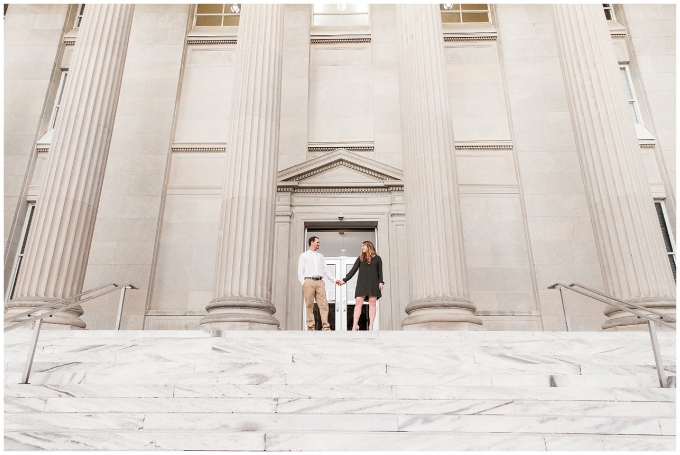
<point x="243" y="274"/>
<point x="626" y="229"/>
<point x="435" y="247"/>
<point x="30" y="56"/>
<point x="59" y="243"/>
<point x="126" y="230"/>
<point x="293" y="139"/>
<point x="651" y="33"/>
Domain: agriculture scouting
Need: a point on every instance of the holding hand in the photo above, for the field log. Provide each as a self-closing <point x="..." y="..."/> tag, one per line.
<point x="380" y="286"/>
<point x="339" y="282"/>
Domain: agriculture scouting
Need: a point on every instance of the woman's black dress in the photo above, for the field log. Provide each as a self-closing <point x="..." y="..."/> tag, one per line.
<point x="370" y="276"/>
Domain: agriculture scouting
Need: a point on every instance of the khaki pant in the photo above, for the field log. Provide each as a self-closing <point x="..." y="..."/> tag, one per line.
<point x="311" y="289"/>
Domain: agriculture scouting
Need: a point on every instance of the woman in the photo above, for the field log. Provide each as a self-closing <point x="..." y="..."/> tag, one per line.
<point x="369" y="283"/>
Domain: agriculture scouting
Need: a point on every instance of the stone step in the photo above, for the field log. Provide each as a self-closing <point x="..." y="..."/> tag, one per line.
<point x="340" y="406"/>
<point x="183" y="373"/>
<point x="348" y="391"/>
<point x="325" y="441"/>
<point x="264" y="422"/>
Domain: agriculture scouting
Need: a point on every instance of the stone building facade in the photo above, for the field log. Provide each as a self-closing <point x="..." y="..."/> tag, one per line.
<point x="489" y="151"/>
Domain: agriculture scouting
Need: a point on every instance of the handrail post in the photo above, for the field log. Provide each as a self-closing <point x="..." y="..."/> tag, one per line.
<point x="120" y="304"/>
<point x="657" y="354"/>
<point x="564" y="309"/>
<point x="31" y="352"/>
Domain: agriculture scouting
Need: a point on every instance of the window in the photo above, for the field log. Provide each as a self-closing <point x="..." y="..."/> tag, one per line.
<point x="463" y="12"/>
<point x="630" y="94"/>
<point x="340" y="14"/>
<point x="212" y="15"/>
<point x="58" y="99"/>
<point x="666" y="233"/>
<point x="20" y="254"/>
<point x="608" y="12"/>
<point x="79" y="17"/>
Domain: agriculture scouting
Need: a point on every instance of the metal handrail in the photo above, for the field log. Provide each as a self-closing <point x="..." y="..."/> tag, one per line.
<point x="55" y="303"/>
<point x="621" y="305"/>
<point x="662" y="316"/>
<point x="663" y="319"/>
<point x="56" y="307"/>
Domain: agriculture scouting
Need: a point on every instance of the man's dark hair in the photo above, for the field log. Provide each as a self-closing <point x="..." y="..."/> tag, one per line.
<point x="311" y="239"/>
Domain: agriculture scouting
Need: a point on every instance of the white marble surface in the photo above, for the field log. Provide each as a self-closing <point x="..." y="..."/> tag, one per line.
<point x="531" y="424"/>
<point x="314" y="391"/>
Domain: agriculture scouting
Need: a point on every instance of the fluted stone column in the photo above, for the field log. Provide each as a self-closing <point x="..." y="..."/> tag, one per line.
<point x="435" y="245"/>
<point x="243" y="276"/>
<point x="632" y="252"/>
<point x="59" y="242"/>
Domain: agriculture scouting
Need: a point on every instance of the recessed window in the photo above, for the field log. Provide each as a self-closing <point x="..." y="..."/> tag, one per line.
<point x="58" y="99"/>
<point x="453" y="13"/>
<point x="20" y="254"/>
<point x="666" y="233"/>
<point x="630" y="94"/>
<point x="211" y="15"/>
<point x="79" y="17"/>
<point x="608" y="11"/>
<point x="340" y="14"/>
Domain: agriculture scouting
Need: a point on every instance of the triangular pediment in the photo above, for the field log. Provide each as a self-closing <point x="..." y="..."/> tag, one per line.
<point x="340" y="167"/>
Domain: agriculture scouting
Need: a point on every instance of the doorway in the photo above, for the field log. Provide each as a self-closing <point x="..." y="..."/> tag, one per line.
<point x="341" y="248"/>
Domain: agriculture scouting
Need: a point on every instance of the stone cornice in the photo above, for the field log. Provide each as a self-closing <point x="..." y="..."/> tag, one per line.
<point x="449" y="38"/>
<point x="215" y="147"/>
<point x="484" y="145"/>
<point x="330" y="148"/>
<point x="340" y="157"/>
<point x="338" y="189"/>
<point x="206" y="40"/>
<point x="340" y="40"/>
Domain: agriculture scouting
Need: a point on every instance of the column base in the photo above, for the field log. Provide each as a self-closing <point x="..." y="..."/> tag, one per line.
<point x="239" y="313"/>
<point x="441" y="314"/>
<point x="624" y="321"/>
<point x="63" y="320"/>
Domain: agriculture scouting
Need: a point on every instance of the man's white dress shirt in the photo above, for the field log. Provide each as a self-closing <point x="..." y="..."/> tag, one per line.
<point x="312" y="264"/>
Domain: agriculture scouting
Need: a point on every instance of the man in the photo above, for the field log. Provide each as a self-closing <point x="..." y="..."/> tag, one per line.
<point x="311" y="269"/>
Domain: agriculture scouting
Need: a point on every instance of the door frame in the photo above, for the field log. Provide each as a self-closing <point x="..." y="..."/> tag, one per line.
<point x="340" y="307"/>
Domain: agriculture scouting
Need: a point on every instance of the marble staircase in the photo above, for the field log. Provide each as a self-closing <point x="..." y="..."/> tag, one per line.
<point x="292" y="391"/>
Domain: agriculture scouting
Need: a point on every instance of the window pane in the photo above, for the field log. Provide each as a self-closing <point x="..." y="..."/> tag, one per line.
<point x="626" y="83"/>
<point x="326" y="8"/>
<point x="475" y="17"/>
<point x="664" y="228"/>
<point x="231" y="20"/>
<point x="326" y="20"/>
<point x="209" y="9"/>
<point x="449" y="7"/>
<point x="633" y="112"/>
<point x="357" y="19"/>
<point x="450" y="17"/>
<point x="478" y="7"/>
<point x="209" y="21"/>
<point x="359" y="8"/>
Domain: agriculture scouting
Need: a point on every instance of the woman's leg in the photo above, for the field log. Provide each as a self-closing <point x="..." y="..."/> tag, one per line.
<point x="357" y="312"/>
<point x="371" y="310"/>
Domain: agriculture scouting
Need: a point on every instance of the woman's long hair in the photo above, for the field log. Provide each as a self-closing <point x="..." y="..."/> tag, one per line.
<point x="370" y="252"/>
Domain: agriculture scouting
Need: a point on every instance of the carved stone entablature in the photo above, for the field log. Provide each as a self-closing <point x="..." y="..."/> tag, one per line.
<point x="339" y="40"/>
<point x="216" y="147"/>
<point x="484" y="145"/>
<point x="340" y="171"/>
<point x="212" y="41"/>
<point x="470" y="38"/>
<point x="331" y="147"/>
